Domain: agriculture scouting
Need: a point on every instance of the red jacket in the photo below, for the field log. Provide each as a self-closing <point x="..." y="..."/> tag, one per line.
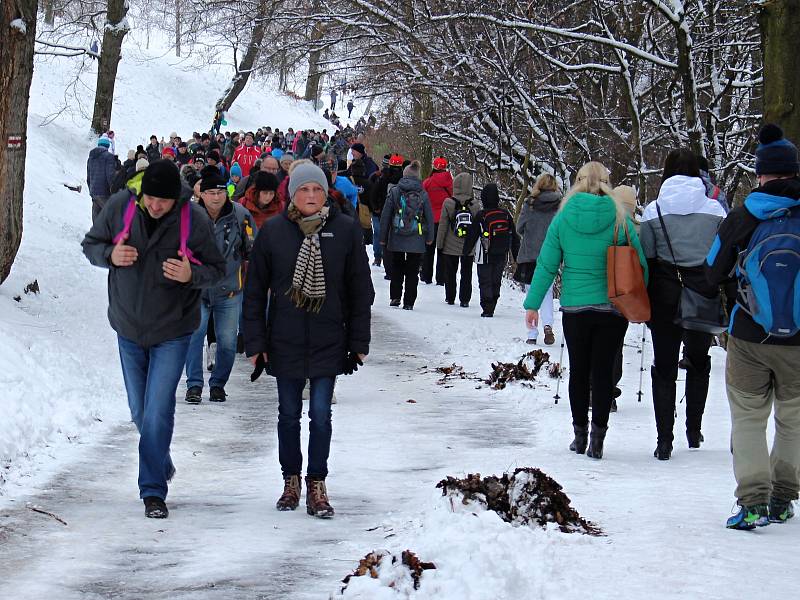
<point x="246" y="156"/>
<point x="261" y="215"/>
<point x="439" y="187"/>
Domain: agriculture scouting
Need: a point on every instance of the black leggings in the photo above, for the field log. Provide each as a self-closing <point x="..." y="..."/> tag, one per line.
<point x="593" y="338"/>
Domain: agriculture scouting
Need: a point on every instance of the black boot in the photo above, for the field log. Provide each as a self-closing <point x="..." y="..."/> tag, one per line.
<point x="696" y="394"/>
<point x="663" y="451"/>
<point x="578" y="445"/>
<point x="596" y="442"/>
<point x="664" y="406"/>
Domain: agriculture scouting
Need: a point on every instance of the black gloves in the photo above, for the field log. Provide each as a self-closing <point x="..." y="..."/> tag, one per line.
<point x="260" y="366"/>
<point x="351" y="363"/>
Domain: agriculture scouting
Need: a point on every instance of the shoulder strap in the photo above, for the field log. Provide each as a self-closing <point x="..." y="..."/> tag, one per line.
<point x="669" y="243"/>
<point x="127" y="220"/>
<point x="715" y="194"/>
<point x="186" y="228"/>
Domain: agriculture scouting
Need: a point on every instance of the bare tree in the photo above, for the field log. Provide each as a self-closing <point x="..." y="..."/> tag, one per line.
<point x="780" y="24"/>
<point x="18" y="29"/>
<point x="116" y="26"/>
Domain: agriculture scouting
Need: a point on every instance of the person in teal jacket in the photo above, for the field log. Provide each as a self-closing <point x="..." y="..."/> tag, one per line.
<point x="576" y="242"/>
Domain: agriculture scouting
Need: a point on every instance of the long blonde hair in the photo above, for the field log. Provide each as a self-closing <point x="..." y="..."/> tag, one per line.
<point x="544" y="183"/>
<point x="592" y="178"/>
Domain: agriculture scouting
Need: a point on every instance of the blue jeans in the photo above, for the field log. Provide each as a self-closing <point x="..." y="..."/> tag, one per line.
<point x="226" y="326"/>
<point x="290" y="408"/>
<point x="377" y="249"/>
<point x="151" y="378"/>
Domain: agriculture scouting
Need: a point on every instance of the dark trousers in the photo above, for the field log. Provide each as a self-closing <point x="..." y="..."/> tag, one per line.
<point x="667" y="339"/>
<point x="98" y="202"/>
<point x="405" y="269"/>
<point x="490" y="276"/>
<point x="593" y="338"/>
<point x="449" y="265"/>
<point x="426" y="274"/>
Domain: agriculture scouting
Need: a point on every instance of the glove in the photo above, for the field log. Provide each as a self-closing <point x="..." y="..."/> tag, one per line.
<point x="352" y="362"/>
<point x="260" y="366"/>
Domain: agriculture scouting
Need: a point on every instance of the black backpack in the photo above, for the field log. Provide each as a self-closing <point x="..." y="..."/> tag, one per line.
<point x="462" y="219"/>
<point x="410" y="217"/>
<point x="497" y="229"/>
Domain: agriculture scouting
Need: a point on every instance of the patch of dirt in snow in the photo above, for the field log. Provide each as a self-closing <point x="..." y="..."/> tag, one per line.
<point x="526" y="497"/>
<point x="401" y="573"/>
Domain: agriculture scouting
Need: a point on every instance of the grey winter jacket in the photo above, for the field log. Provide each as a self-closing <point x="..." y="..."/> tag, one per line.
<point x="100" y="168"/>
<point x="533" y="222"/>
<point x="235" y="231"/>
<point x="143" y="305"/>
<point x="413" y="244"/>
<point x="446" y="240"/>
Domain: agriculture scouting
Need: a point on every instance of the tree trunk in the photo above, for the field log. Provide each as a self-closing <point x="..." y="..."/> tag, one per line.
<point x="178" y="28"/>
<point x="16" y="72"/>
<point x="245" y="67"/>
<point x="49" y="15"/>
<point x="115" y="29"/>
<point x="780" y="23"/>
<point x="312" y="82"/>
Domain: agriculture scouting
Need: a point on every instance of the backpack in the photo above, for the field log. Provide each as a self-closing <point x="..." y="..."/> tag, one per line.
<point x="769" y="274"/>
<point x="409" y="219"/>
<point x="120" y="177"/>
<point x="461" y="220"/>
<point x="185" y="219"/>
<point x="497" y="228"/>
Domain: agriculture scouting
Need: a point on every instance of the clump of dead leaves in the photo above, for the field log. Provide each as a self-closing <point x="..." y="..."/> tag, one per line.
<point x="368" y="566"/>
<point x="525" y="369"/>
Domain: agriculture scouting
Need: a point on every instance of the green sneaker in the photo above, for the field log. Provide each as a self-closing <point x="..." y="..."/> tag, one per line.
<point x="780" y="511"/>
<point x="749" y="517"/>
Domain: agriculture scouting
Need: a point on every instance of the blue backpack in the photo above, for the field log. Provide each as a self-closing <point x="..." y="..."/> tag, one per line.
<point x="769" y="274"/>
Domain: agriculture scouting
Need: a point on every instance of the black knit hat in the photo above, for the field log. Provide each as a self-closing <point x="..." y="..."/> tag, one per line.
<point x="212" y="179"/>
<point x="162" y="180"/>
<point x="265" y="182"/>
<point x="775" y="155"/>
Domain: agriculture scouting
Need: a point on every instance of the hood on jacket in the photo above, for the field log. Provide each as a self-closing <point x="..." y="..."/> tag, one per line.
<point x="408" y="184"/>
<point x="441" y="179"/>
<point x="683" y="195"/>
<point x="772" y="196"/>
<point x="590" y="214"/>
<point x="546" y="202"/>
<point x="94" y="152"/>
<point x="462" y="187"/>
<point x="490" y="196"/>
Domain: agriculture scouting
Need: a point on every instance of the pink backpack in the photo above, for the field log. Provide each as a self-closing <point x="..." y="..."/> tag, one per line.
<point x="186" y="227"/>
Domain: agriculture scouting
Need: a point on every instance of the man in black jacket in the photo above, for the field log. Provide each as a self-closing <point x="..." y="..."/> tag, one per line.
<point x="310" y="267"/>
<point x="154" y="306"/>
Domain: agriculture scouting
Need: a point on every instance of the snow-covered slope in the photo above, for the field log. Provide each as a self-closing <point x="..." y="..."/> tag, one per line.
<point x="60" y="374"/>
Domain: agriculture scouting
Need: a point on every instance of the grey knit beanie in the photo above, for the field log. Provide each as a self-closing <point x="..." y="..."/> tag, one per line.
<point x="307" y="173"/>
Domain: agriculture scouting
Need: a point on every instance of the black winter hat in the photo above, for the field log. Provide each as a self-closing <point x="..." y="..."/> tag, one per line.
<point x="212" y="179"/>
<point x="490" y="197"/>
<point x="213" y="155"/>
<point x="775" y="155"/>
<point x="162" y="180"/>
<point x="265" y="182"/>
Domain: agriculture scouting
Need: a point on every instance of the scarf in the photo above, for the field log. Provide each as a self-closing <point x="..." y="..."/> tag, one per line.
<point x="308" y="283"/>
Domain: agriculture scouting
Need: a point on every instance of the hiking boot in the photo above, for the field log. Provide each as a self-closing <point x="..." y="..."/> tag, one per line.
<point x="749" y="517"/>
<point x="394" y="303"/>
<point x="531" y="341"/>
<point x="663" y="451"/>
<point x="780" y="511"/>
<point x="387" y="277"/>
<point x="578" y="445"/>
<point x="155" y="508"/>
<point x="487" y="314"/>
<point x="613" y="405"/>
<point x="217" y="394"/>
<point x="549" y="336"/>
<point x="695" y="438"/>
<point x="194" y="395"/>
<point x="290" y="499"/>
<point x="465" y="305"/>
<point x="450" y="302"/>
<point x="317" y="504"/>
<point x="596" y="440"/>
<point x="408" y="307"/>
<point x="376" y="262"/>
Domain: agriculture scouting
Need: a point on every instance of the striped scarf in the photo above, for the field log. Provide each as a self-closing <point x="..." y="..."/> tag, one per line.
<point x="308" y="283"/>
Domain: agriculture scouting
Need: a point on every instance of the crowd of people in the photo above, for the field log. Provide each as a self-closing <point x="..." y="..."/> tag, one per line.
<point x="257" y="239"/>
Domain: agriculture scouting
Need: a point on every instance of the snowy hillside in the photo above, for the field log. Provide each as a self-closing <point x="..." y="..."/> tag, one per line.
<point x="60" y="373"/>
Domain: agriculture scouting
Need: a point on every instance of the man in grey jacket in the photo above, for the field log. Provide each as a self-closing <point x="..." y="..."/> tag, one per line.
<point x="406" y="229"/>
<point x="154" y="306"/>
<point x="457" y="215"/>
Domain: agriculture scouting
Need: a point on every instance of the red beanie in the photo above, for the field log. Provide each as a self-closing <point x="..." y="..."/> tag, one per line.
<point x="168" y="150"/>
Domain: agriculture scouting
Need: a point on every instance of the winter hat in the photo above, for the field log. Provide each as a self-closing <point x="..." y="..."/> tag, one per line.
<point x="396" y="160"/>
<point x="307" y="173"/>
<point x="168" y="151"/>
<point x="212" y="179"/>
<point x="316" y="150"/>
<point x="174" y="134"/>
<point x="236" y="170"/>
<point x="183" y="145"/>
<point x="142" y="164"/>
<point x="104" y="142"/>
<point x="162" y="179"/>
<point x="440" y="163"/>
<point x="213" y="155"/>
<point x="462" y="187"/>
<point x="358" y="147"/>
<point x="490" y="197"/>
<point x="775" y="155"/>
<point x="412" y="170"/>
<point x="277" y="153"/>
<point x="385" y="161"/>
<point x="265" y="182"/>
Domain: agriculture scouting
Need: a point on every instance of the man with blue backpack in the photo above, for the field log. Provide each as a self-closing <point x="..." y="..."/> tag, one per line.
<point x="759" y="242"/>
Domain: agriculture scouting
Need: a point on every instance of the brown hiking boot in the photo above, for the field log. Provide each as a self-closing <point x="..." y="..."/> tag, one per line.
<point x="290" y="499"/>
<point x="549" y="336"/>
<point x="317" y="503"/>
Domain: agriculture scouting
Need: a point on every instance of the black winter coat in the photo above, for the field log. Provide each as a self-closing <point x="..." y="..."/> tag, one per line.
<point x="143" y="305"/>
<point x="302" y="344"/>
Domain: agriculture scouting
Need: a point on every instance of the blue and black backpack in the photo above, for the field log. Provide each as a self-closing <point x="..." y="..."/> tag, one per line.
<point x="769" y="273"/>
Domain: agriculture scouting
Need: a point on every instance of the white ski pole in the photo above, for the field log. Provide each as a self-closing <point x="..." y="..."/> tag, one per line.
<point x="641" y="365"/>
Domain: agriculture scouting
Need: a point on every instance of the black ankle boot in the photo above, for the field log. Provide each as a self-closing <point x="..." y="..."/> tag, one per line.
<point x="581" y="440"/>
<point x="596" y="442"/>
<point x="663" y="451"/>
<point x="694" y="438"/>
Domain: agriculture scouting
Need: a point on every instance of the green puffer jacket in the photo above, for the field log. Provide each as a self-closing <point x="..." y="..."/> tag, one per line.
<point x="578" y="237"/>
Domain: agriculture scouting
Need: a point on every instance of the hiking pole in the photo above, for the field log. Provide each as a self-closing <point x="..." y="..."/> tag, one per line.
<point x="641" y="365"/>
<point x="560" y="370"/>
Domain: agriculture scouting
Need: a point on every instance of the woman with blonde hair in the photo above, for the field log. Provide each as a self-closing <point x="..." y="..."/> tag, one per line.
<point x="577" y="241"/>
<point x="534" y="219"/>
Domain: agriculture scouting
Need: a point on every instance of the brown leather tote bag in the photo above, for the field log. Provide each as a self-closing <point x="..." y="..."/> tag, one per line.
<point x="626" y="288"/>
